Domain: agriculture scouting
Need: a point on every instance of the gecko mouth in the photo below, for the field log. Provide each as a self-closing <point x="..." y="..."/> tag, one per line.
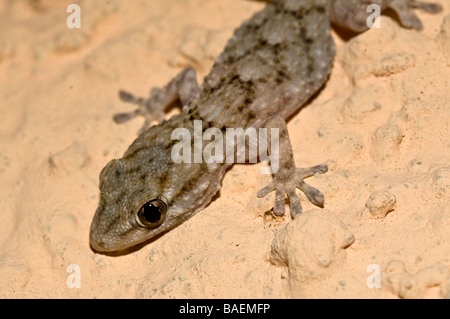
<point x="115" y="238"/>
<point x="102" y="245"/>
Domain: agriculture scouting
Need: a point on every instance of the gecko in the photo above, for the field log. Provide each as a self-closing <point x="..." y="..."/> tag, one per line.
<point x="273" y="64"/>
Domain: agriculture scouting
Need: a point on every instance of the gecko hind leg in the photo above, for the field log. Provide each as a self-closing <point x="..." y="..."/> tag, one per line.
<point x="429" y="7"/>
<point x="352" y="14"/>
<point x="404" y="10"/>
<point x="288" y="178"/>
<point x="183" y="87"/>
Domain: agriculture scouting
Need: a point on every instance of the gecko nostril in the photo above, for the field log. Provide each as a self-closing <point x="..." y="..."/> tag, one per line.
<point x="98" y="245"/>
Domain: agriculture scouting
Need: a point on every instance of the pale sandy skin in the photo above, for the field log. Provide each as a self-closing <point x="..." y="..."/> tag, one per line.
<point x="381" y="121"/>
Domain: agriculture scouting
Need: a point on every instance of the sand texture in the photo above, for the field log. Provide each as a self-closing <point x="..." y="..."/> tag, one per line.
<point x="381" y="123"/>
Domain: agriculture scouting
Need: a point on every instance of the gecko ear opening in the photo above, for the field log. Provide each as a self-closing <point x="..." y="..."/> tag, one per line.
<point x="152" y="214"/>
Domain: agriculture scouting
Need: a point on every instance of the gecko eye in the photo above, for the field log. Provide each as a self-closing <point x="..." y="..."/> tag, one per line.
<point x="152" y="213"/>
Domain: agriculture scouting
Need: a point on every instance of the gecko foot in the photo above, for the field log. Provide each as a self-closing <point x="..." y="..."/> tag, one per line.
<point x="150" y="108"/>
<point x="287" y="182"/>
<point x="183" y="87"/>
<point x="404" y="10"/>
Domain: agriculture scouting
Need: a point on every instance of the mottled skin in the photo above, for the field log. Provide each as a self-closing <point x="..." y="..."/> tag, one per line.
<point x="274" y="63"/>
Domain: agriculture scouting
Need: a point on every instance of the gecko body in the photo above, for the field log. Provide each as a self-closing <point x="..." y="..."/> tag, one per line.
<point x="271" y="66"/>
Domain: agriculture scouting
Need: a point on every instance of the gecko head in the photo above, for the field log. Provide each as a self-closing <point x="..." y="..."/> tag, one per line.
<point x="130" y="210"/>
<point x="145" y="194"/>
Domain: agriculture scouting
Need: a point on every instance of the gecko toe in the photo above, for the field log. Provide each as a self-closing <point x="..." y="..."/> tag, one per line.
<point x="123" y="117"/>
<point x="278" y="208"/>
<point x="406" y="15"/>
<point x="267" y="189"/>
<point x="314" y="195"/>
<point x="302" y="173"/>
<point x="127" y="97"/>
<point x="295" y="205"/>
<point x="428" y="7"/>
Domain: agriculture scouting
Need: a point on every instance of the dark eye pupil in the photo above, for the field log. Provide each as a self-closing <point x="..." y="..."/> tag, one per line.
<point x="152" y="214"/>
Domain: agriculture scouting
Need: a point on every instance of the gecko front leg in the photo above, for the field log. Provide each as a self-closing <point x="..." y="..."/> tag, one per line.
<point x="183" y="87"/>
<point x="288" y="177"/>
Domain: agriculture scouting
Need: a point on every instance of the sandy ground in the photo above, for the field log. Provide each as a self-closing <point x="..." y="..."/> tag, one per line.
<point x="381" y="123"/>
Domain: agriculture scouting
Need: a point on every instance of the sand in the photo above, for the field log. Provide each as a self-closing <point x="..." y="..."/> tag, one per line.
<point x="381" y="123"/>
